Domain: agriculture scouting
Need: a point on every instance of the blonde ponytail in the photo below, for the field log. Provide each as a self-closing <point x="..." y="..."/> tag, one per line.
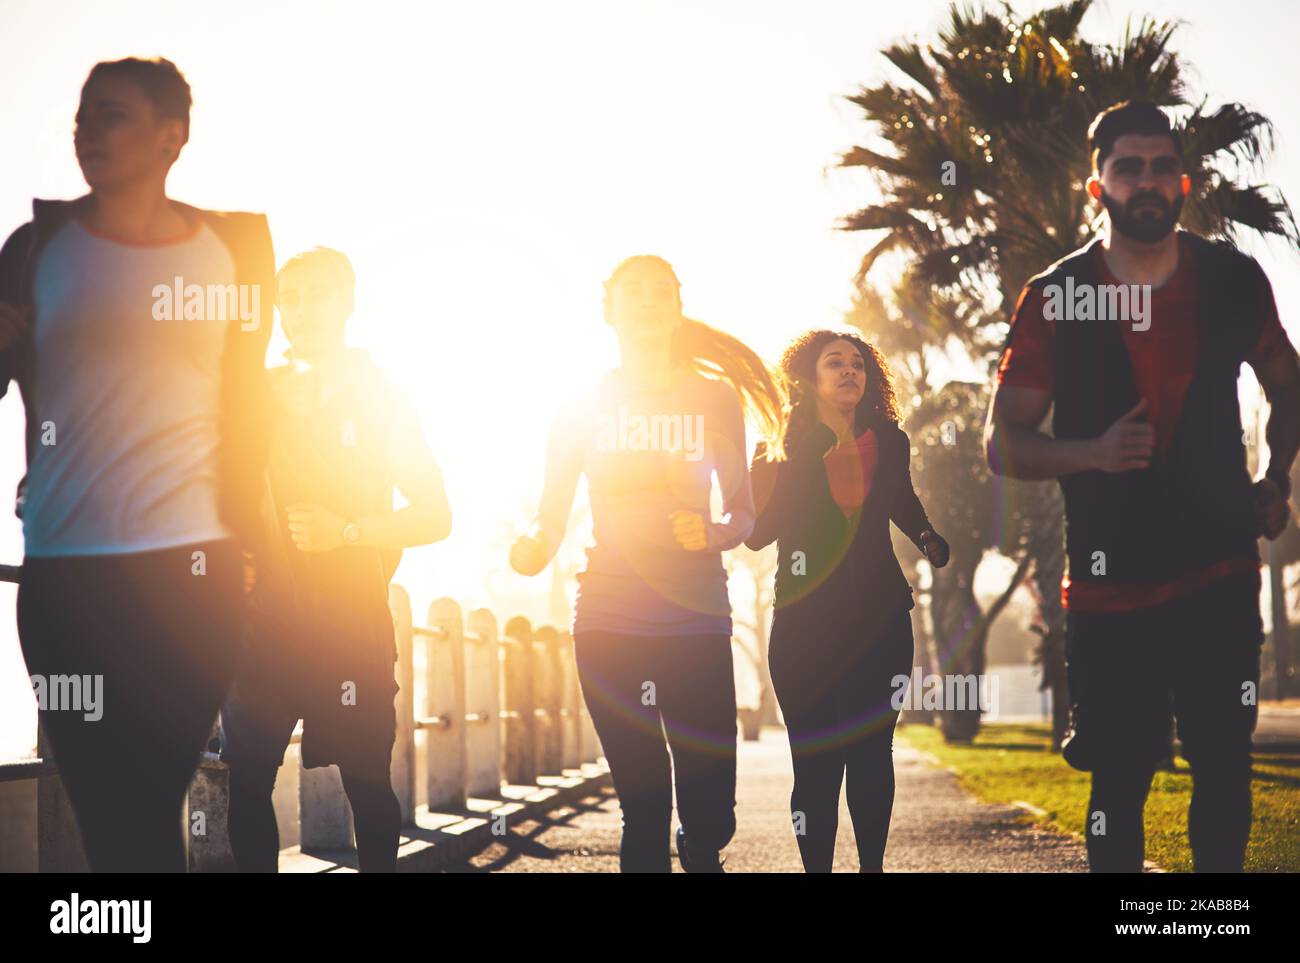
<point x="715" y="354"/>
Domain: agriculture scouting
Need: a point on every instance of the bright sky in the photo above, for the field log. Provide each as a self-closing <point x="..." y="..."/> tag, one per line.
<point x="486" y="165"/>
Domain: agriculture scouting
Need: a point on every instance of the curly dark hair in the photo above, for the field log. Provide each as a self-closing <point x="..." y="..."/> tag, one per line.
<point x="799" y="367"/>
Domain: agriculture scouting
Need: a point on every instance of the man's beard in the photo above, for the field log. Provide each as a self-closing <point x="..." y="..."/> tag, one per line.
<point x="1147" y="228"/>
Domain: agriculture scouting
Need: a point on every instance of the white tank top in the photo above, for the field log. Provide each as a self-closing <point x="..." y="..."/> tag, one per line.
<point x="126" y="394"/>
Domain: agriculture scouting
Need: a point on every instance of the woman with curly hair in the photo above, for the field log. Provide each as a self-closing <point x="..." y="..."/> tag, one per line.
<point x="842" y="630"/>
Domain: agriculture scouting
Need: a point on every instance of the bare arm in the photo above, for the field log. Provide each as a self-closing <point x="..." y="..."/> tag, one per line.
<point x="733" y="479"/>
<point x="426" y="518"/>
<point x="1017" y="449"/>
<point x="532" y="552"/>
<point x="1280" y="379"/>
<point x="427" y="515"/>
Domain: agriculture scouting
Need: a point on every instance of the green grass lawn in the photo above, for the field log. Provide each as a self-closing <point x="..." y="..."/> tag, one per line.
<point x="1009" y="763"/>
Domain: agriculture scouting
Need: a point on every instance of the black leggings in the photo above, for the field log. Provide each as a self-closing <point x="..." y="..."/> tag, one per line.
<point x="840" y="719"/>
<point x="255" y="835"/>
<point x="161" y="629"/>
<point x="639" y="689"/>
<point x="286" y="675"/>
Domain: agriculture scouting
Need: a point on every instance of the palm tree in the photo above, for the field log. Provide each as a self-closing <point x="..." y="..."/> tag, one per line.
<point x="955" y="485"/>
<point x="1007" y="105"/>
<point x="980" y="160"/>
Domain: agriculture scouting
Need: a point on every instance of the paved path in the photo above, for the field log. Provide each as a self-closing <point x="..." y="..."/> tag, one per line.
<point x="1278" y="729"/>
<point x="936" y="826"/>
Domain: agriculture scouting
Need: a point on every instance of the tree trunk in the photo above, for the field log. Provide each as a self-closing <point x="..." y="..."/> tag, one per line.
<point x="1046" y="545"/>
<point x="922" y="650"/>
<point x="962" y="631"/>
<point x="958" y="649"/>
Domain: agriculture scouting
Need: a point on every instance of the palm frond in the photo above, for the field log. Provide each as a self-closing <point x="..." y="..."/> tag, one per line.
<point x="908" y="58"/>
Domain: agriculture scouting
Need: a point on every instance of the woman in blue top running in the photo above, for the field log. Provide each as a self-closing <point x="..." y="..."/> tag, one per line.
<point x="652" y="623"/>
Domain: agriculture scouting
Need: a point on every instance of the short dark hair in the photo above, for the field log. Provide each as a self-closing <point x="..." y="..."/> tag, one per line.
<point x="161" y="81"/>
<point x="1127" y="117"/>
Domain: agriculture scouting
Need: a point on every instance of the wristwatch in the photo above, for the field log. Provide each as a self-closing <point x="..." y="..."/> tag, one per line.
<point x="351" y="533"/>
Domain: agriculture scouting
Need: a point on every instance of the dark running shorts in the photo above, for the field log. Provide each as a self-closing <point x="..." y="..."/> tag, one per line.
<point x="338" y="679"/>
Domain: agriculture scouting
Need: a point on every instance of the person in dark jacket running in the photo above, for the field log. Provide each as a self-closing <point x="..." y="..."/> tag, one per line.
<point x="1162" y="515"/>
<point x="842" y="629"/>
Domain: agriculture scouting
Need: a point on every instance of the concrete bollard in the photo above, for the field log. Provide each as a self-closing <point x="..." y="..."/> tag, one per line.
<point x="444" y="716"/>
<point x="284" y="799"/>
<point x="519" y="716"/>
<point x="207" y="812"/>
<point x="483" y="702"/>
<point x="570" y="705"/>
<point x="324" y="816"/>
<point x="403" y="765"/>
<point x="591" y="750"/>
<point x="588" y="742"/>
<point x="548" y="692"/>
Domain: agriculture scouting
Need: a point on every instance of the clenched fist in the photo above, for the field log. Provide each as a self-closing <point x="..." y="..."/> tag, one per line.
<point x="1272" y="510"/>
<point x="528" y="555"/>
<point x="1128" y="444"/>
<point x="689" y="530"/>
<point x="315" y="529"/>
